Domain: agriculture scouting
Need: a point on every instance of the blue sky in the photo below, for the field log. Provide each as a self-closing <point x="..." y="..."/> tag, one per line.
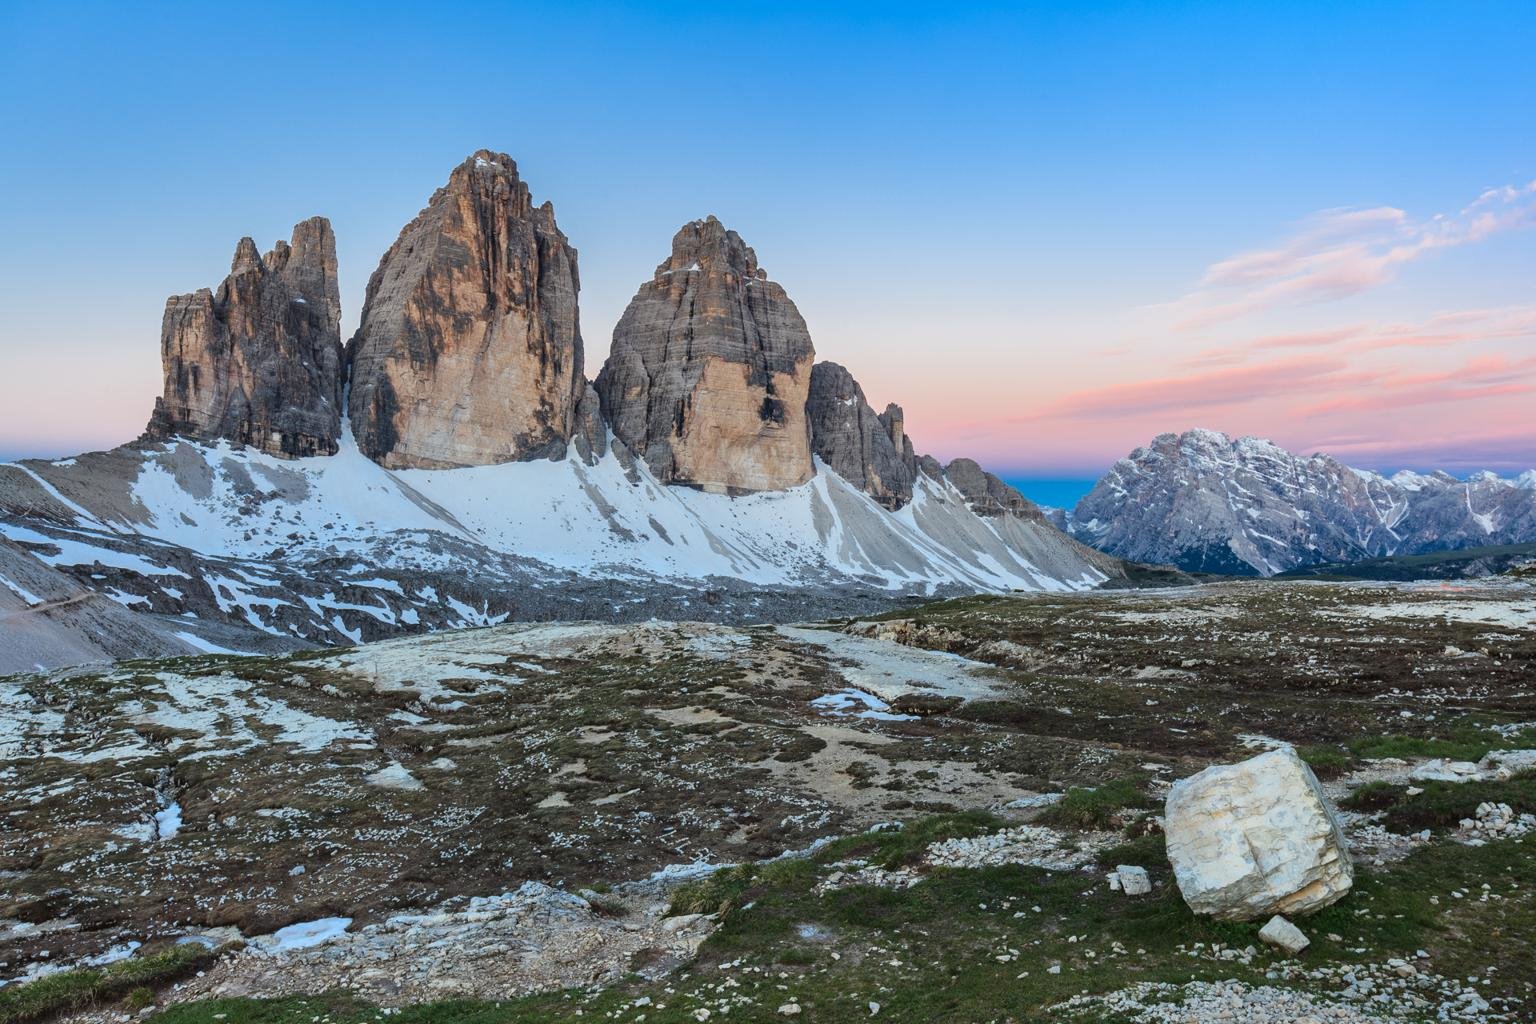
<point x="984" y="211"/>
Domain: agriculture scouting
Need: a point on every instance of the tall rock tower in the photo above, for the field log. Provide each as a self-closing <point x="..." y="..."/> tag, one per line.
<point x="710" y="369"/>
<point x="871" y="450"/>
<point x="469" y="350"/>
<point x="259" y="361"/>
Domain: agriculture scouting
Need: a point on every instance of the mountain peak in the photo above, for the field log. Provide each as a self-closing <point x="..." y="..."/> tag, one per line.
<point x="1204" y="502"/>
<point x="708" y="246"/>
<point x="710" y="370"/>
<point x="469" y="350"/>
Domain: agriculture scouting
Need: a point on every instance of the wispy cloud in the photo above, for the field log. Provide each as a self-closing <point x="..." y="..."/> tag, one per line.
<point x="1500" y="451"/>
<point x="1226" y="386"/>
<point x="1440" y="331"/>
<point x="1342" y="252"/>
<point x="1478" y="379"/>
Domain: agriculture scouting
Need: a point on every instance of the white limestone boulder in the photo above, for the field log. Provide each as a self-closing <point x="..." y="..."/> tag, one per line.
<point x="1256" y="838"/>
<point x="1133" y="880"/>
<point x="1441" y="770"/>
<point x="1280" y="932"/>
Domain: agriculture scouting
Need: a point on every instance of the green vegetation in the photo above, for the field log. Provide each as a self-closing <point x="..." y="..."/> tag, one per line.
<point x="75" y="990"/>
<point x="1456" y="564"/>
<point x="1442" y="805"/>
<point x="944" y="949"/>
<point x="1095" y="808"/>
<point x="1467" y="740"/>
<point x="1374" y="796"/>
<point x="1463" y="742"/>
<point x="1325" y="760"/>
<point x="1143" y="851"/>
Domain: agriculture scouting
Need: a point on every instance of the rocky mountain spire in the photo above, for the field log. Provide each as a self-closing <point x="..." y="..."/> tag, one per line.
<point x="469" y="351"/>
<point x="871" y="451"/>
<point x="710" y="369"/>
<point x="987" y="494"/>
<point x="259" y="361"/>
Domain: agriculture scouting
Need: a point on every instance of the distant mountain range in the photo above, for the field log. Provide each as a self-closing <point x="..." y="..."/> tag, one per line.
<point x="452" y="465"/>
<point x="1205" y="502"/>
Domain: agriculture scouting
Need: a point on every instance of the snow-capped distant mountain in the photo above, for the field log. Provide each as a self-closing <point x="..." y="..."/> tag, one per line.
<point x="1205" y="502"/>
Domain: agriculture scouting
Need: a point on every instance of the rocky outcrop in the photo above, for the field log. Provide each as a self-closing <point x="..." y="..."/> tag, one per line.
<point x="869" y="450"/>
<point x="986" y="493"/>
<point x="1256" y="838"/>
<point x="710" y="370"/>
<point x="469" y="351"/>
<point x="1206" y="502"/>
<point x="258" y="362"/>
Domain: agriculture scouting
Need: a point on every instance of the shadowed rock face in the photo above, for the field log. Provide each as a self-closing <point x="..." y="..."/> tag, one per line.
<point x="710" y="370"/>
<point x="870" y="451"/>
<point x="987" y="494"/>
<point x="469" y="349"/>
<point x="259" y="361"/>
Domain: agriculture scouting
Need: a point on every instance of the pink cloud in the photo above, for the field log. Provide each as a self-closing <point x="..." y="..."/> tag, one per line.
<point x="1482" y="378"/>
<point x="1440" y="331"/>
<point x="1339" y="253"/>
<point x="1500" y="451"/>
<point x="1225" y="386"/>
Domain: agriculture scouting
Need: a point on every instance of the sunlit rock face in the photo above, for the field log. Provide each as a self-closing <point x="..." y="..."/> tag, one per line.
<point x="258" y="362"/>
<point x="710" y="370"/>
<point x="469" y="350"/>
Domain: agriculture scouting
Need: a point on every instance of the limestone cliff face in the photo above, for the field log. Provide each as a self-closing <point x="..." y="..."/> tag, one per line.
<point x="258" y="362"/>
<point x="469" y="349"/>
<point x="987" y="494"/>
<point x="869" y="450"/>
<point x="710" y="370"/>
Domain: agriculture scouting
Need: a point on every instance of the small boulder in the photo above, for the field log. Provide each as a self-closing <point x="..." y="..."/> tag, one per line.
<point x="1280" y="932"/>
<point x="1441" y="770"/>
<point x="1499" y="765"/>
<point x="1256" y="838"/>
<point x="1133" y="880"/>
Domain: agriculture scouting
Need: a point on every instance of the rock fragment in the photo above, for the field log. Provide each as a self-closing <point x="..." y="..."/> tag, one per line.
<point x="1280" y="932"/>
<point x="1133" y="880"/>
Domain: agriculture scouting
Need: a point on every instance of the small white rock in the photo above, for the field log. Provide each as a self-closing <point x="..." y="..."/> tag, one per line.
<point x="1133" y="880"/>
<point x="1280" y="932"/>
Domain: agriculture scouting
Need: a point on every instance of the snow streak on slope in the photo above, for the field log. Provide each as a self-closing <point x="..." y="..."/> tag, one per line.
<point x="338" y="550"/>
<point x="600" y="519"/>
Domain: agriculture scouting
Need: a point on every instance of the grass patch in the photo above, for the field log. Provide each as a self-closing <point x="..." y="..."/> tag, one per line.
<point x="1145" y="851"/>
<point x="1096" y="808"/>
<point x="1465" y="742"/>
<point x="1442" y="805"/>
<point x="1325" y="760"/>
<point x="1375" y="796"/>
<point x="969" y="945"/>
<point x="76" y="990"/>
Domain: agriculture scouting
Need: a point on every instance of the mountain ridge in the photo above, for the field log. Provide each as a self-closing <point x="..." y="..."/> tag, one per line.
<point x="1204" y="501"/>
<point x="452" y="465"/>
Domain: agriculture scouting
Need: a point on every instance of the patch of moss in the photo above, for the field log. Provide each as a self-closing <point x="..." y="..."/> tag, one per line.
<point x="75" y="990"/>
<point x="1442" y="805"/>
<point x="1095" y="808"/>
